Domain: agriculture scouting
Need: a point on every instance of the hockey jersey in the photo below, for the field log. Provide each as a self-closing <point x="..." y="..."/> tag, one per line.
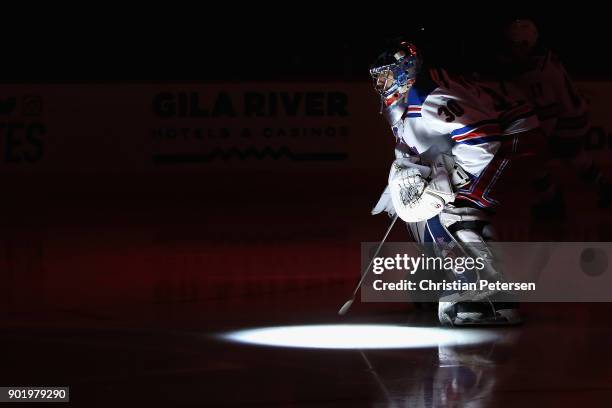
<point x="477" y="126"/>
<point x="561" y="109"/>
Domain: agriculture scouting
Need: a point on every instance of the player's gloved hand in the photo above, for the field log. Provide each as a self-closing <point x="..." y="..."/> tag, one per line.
<point x="419" y="193"/>
<point x="410" y="184"/>
<point x="385" y="203"/>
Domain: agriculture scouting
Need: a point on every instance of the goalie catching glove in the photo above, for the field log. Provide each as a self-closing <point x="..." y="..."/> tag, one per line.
<point x="418" y="192"/>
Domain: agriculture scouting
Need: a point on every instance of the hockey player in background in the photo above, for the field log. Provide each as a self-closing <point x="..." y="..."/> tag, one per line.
<point x="563" y="113"/>
<point x="455" y="149"/>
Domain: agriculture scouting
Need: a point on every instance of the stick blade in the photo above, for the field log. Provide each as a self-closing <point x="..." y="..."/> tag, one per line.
<point x="345" y="307"/>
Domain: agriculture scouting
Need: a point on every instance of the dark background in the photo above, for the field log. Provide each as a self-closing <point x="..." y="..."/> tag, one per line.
<point x="113" y="280"/>
<point x="301" y="41"/>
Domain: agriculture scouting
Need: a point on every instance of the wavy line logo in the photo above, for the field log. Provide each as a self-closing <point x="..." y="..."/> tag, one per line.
<point x="250" y="153"/>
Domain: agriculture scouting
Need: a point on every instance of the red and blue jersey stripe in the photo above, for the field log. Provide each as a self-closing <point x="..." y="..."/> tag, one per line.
<point x="478" y="133"/>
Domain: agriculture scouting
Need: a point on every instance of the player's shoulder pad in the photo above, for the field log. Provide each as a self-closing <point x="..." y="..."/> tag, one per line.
<point x="460" y="113"/>
<point x="452" y="107"/>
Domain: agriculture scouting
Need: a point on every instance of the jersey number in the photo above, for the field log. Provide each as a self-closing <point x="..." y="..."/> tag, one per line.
<point x="451" y="110"/>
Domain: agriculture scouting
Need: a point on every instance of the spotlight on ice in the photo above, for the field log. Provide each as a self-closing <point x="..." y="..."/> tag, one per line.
<point x="360" y="336"/>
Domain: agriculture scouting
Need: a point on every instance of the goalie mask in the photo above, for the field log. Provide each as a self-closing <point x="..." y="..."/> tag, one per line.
<point x="394" y="72"/>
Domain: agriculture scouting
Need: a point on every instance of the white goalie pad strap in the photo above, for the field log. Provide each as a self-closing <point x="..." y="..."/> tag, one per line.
<point x="458" y="176"/>
<point x="452" y="215"/>
<point x="418" y="192"/>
